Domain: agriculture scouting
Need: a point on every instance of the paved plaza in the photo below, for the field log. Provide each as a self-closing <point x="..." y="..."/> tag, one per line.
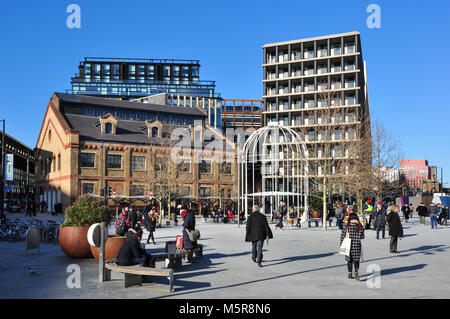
<point x="298" y="263"/>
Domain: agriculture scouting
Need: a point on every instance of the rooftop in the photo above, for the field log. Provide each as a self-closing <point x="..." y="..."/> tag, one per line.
<point x="311" y="39"/>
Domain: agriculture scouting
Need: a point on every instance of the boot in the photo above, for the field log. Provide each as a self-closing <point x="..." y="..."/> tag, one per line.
<point x="356" y="275"/>
<point x="350" y="275"/>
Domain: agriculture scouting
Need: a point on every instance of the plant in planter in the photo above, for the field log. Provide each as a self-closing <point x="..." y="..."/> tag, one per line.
<point x="78" y="218"/>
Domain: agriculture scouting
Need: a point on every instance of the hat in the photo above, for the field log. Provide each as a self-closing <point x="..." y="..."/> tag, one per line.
<point x="369" y="201"/>
<point x="379" y="202"/>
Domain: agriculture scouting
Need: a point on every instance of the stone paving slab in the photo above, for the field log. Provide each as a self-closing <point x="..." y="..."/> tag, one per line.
<point x="298" y="263"/>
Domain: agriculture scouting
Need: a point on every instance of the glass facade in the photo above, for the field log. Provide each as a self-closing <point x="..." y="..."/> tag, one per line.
<point x="140" y="78"/>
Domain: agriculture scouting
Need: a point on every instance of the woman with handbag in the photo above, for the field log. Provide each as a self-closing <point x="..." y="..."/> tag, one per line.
<point x="188" y="226"/>
<point x="354" y="231"/>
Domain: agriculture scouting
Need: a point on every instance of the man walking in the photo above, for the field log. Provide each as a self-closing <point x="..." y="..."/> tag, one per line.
<point x="380" y="219"/>
<point x="281" y="212"/>
<point x="340" y="215"/>
<point x="434" y="212"/>
<point x="257" y="230"/>
<point x="422" y="212"/>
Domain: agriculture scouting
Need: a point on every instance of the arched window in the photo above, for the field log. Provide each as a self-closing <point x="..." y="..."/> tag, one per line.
<point x="59" y="162"/>
<point x="108" y="128"/>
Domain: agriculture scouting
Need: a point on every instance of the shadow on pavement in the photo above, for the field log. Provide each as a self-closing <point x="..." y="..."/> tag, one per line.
<point x="391" y="271"/>
<point x="297" y="258"/>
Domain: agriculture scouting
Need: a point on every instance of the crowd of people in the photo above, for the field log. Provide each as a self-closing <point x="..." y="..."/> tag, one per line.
<point x="352" y="225"/>
<point x="130" y="223"/>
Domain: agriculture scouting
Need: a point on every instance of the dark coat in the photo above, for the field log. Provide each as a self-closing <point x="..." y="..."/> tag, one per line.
<point x="257" y="227"/>
<point x="422" y="210"/>
<point x="149" y="223"/>
<point x="133" y="218"/>
<point x="189" y="224"/>
<point x="356" y="247"/>
<point x="395" y="225"/>
<point x="129" y="251"/>
<point x="380" y="217"/>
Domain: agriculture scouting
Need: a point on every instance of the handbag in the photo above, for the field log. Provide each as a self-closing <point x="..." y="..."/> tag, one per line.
<point x="194" y="235"/>
<point x="179" y="242"/>
<point x="346" y="246"/>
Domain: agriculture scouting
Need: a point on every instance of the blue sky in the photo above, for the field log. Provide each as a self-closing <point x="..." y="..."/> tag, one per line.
<point x="407" y="58"/>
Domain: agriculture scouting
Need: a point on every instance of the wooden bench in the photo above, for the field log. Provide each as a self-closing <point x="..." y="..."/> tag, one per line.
<point x="133" y="274"/>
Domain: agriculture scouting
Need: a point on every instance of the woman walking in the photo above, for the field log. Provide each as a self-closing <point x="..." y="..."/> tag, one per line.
<point x="395" y="228"/>
<point x="189" y="225"/>
<point x="356" y="232"/>
<point x="150" y="224"/>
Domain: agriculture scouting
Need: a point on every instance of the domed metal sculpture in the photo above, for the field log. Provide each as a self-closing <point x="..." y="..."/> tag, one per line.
<point x="273" y="166"/>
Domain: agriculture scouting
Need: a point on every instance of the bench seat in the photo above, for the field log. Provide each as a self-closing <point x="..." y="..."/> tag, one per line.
<point x="133" y="273"/>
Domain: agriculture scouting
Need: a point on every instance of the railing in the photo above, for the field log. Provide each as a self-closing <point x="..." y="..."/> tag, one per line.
<point x="139" y="60"/>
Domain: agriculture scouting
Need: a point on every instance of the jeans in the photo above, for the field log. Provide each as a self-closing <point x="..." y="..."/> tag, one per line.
<point x="393" y="243"/>
<point x="339" y="223"/>
<point x="280" y="222"/>
<point x="382" y="228"/>
<point x="433" y="220"/>
<point x="257" y="247"/>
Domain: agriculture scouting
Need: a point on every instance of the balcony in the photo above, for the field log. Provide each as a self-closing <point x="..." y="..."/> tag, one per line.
<point x="296" y="89"/>
<point x="322" y="70"/>
<point x="350" y="67"/>
<point x="296" y="73"/>
<point x="296" y="55"/>
<point x="309" y="104"/>
<point x="309" y="88"/>
<point x="335" y="51"/>
<point x="283" y="57"/>
<point x="336" y="68"/>
<point x="308" y="54"/>
<point x="309" y="71"/>
<point x="322" y="53"/>
<point x="349" y="84"/>
<point x="350" y="48"/>
<point x="297" y="105"/>
<point x="336" y="85"/>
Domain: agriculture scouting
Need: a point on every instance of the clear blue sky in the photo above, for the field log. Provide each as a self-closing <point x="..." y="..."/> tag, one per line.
<point x="407" y="59"/>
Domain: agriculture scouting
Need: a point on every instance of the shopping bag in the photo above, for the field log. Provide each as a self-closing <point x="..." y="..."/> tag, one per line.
<point x="179" y="241"/>
<point x="346" y="246"/>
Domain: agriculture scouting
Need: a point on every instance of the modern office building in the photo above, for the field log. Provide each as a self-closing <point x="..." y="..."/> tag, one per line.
<point x="87" y="142"/>
<point x="133" y="78"/>
<point x="22" y="185"/>
<point x="415" y="172"/>
<point x="243" y="114"/>
<point x="317" y="86"/>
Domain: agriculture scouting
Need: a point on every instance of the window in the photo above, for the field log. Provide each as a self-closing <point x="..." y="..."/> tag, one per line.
<point x="176" y="71"/>
<point x="154" y="132"/>
<point x="88" y="188"/>
<point x="108" y="128"/>
<point x="195" y="71"/>
<point x="59" y="162"/>
<point x="225" y="168"/>
<point x="87" y="159"/>
<point x="54" y="164"/>
<point x="204" y="191"/>
<point x="184" y="191"/>
<point x="138" y="163"/>
<point x="184" y="167"/>
<point x="166" y="71"/>
<point x="114" y="161"/>
<point x="160" y="164"/>
<point x="205" y="167"/>
<point x="185" y="71"/>
<point x="137" y="190"/>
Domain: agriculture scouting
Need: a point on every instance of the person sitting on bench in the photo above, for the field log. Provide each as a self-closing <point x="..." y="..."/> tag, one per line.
<point x="130" y="253"/>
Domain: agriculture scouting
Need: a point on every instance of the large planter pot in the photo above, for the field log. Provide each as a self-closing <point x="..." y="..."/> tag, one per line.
<point x="112" y="247"/>
<point x="315" y="214"/>
<point x="74" y="243"/>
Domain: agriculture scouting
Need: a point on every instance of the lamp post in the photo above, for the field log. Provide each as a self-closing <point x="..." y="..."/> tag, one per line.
<point x="3" y="171"/>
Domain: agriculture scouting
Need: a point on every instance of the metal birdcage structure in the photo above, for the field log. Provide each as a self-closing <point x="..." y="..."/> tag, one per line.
<point x="273" y="166"/>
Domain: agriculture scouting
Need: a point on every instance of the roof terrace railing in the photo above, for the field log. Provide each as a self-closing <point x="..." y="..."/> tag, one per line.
<point x="139" y="60"/>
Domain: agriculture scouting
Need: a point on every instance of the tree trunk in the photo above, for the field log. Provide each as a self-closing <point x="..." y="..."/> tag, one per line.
<point x="324" y="203"/>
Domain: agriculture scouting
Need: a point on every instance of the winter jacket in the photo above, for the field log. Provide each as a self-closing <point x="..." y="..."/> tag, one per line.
<point x="129" y="251"/>
<point x="257" y="228"/>
<point x="434" y="210"/>
<point x="189" y="224"/>
<point x="395" y="225"/>
<point x="356" y="247"/>
<point x="422" y="210"/>
<point x="380" y="217"/>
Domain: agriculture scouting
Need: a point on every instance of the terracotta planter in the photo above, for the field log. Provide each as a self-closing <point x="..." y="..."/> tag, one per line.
<point x="315" y="214"/>
<point x="112" y="247"/>
<point x="74" y="243"/>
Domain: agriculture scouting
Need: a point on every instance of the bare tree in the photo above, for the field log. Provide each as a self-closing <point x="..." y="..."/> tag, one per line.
<point x="386" y="153"/>
<point x="162" y="173"/>
<point x="327" y="154"/>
